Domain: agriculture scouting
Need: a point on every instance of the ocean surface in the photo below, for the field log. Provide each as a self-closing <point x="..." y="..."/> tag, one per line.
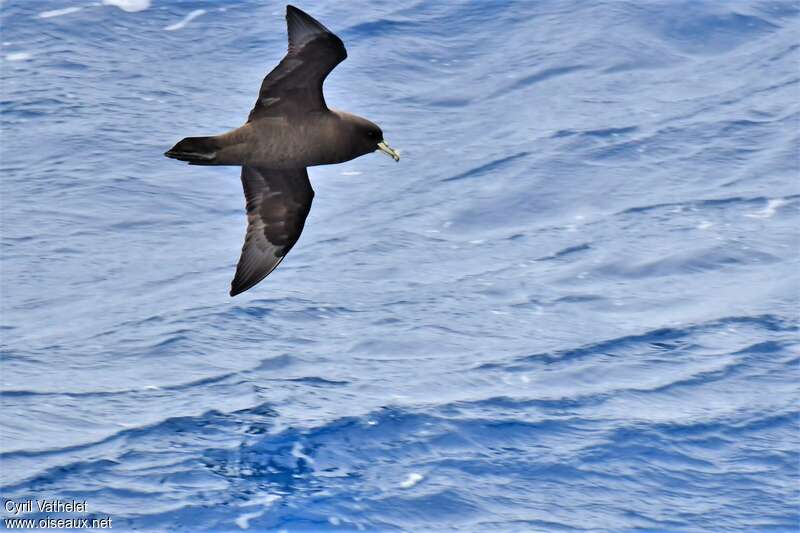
<point x="572" y="305"/>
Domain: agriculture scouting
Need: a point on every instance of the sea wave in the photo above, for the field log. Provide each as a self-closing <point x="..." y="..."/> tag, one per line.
<point x="572" y="305"/>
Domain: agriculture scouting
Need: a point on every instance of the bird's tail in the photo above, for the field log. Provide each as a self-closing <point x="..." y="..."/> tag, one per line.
<point x="195" y="151"/>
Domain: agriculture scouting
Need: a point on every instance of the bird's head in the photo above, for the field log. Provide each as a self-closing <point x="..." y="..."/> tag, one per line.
<point x="369" y="138"/>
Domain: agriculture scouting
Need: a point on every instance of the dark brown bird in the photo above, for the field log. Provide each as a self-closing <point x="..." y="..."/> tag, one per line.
<point x="290" y="128"/>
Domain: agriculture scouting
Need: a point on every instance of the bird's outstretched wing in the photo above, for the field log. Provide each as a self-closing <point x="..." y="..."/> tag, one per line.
<point x="278" y="202"/>
<point x="295" y="85"/>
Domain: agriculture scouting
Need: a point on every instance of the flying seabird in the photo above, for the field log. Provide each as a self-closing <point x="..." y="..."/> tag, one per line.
<point x="290" y="128"/>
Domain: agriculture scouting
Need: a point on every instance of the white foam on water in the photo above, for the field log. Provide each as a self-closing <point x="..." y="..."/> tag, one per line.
<point x="243" y="520"/>
<point x="131" y="6"/>
<point x="412" y="479"/>
<point x="297" y="452"/>
<point x="19" y="56"/>
<point x="186" y="20"/>
<point x="769" y="210"/>
<point x="58" y="12"/>
<point x="266" y="500"/>
<point x="705" y="224"/>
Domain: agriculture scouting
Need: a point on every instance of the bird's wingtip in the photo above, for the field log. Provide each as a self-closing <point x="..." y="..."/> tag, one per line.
<point x="302" y="26"/>
<point x="294" y="10"/>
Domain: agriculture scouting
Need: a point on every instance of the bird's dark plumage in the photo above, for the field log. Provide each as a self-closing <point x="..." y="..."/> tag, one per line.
<point x="295" y="85"/>
<point x="289" y="128"/>
<point x="278" y="202"/>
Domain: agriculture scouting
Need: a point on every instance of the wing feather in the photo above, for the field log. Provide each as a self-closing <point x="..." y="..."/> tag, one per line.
<point x="295" y="85"/>
<point x="278" y="202"/>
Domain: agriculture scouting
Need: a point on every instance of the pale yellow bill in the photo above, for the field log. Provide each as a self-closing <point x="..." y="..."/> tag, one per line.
<point x="386" y="149"/>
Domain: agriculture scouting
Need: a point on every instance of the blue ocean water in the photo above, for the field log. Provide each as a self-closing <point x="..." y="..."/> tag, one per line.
<point x="573" y="304"/>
